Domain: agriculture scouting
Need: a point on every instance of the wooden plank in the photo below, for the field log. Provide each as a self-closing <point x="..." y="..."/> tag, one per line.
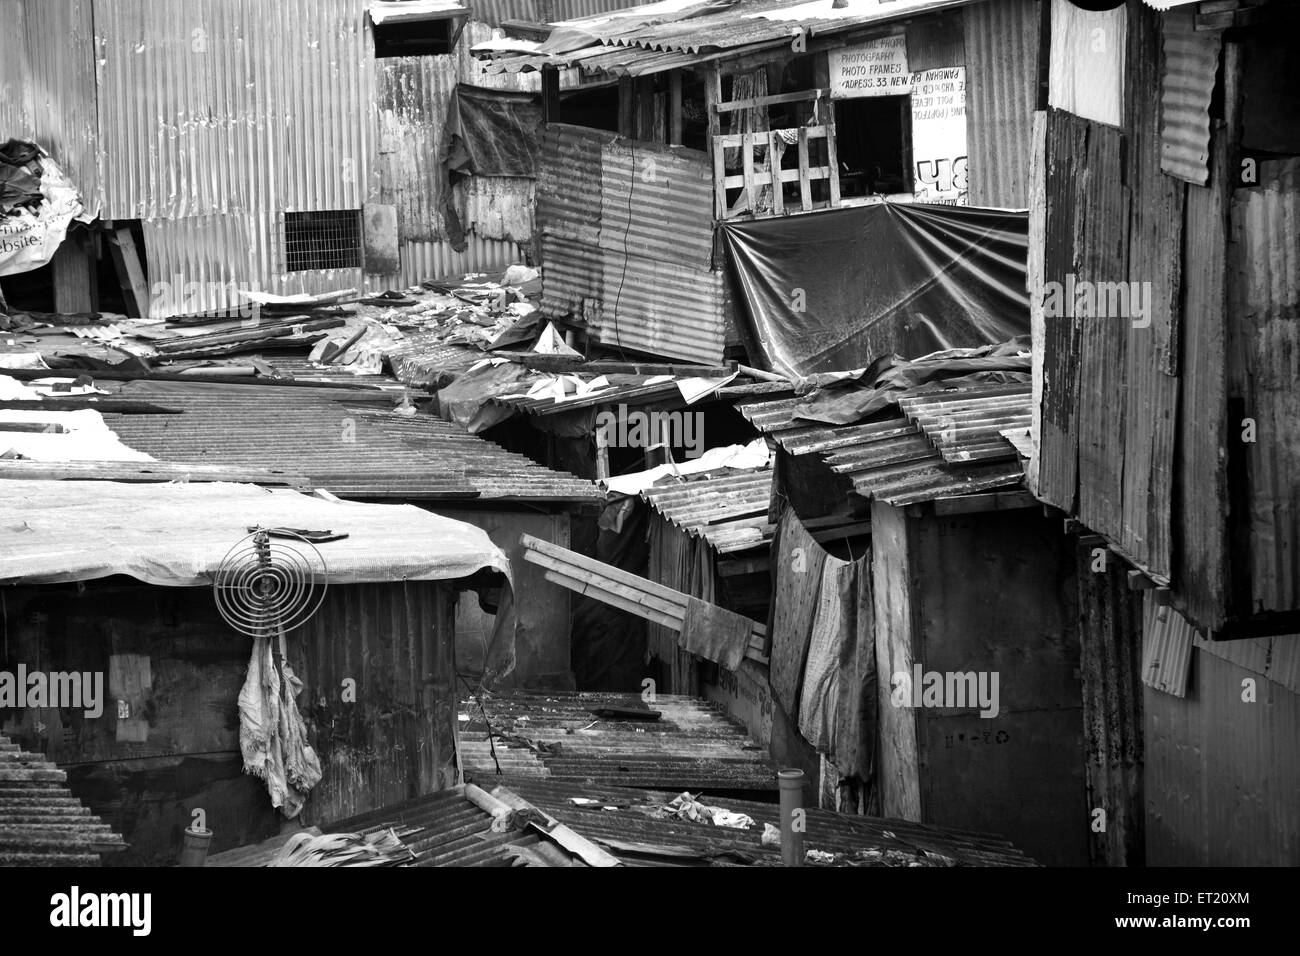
<point x="140" y="471"/>
<point x="832" y="160"/>
<point x="805" y="187"/>
<point x="130" y="274"/>
<point x="994" y="501"/>
<point x="747" y="163"/>
<point x="712" y="97"/>
<point x="775" y="146"/>
<point x="773" y="100"/>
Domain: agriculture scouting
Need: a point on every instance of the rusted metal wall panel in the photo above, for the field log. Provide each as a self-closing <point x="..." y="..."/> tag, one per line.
<point x="657" y="202"/>
<point x="495" y="12"/>
<point x="47" y="85"/>
<point x="1234" y="802"/>
<point x="397" y="740"/>
<point x="233" y="106"/>
<point x="1265" y="300"/>
<point x="936" y="42"/>
<point x="1001" y="48"/>
<point x="1110" y="660"/>
<point x="433" y="260"/>
<point x="1201" y="480"/>
<point x="1191" y="60"/>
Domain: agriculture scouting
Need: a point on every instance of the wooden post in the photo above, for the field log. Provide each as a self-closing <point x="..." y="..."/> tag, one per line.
<point x="675" y="108"/>
<point x="550" y="95"/>
<point x="626" y="107"/>
<point x="712" y="99"/>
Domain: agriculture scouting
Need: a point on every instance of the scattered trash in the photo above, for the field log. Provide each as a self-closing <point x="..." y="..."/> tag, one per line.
<point x="687" y="807"/>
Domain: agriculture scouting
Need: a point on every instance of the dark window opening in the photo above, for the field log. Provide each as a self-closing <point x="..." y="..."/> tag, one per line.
<point x="416" y="38"/>
<point x="322" y="240"/>
<point x="592" y="107"/>
<point x="873" y="142"/>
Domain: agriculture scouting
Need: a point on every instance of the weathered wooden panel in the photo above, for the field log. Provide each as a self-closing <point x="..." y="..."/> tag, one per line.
<point x="1110" y="637"/>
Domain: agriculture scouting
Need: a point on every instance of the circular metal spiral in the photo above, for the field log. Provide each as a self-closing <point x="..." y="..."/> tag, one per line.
<point x="264" y="583"/>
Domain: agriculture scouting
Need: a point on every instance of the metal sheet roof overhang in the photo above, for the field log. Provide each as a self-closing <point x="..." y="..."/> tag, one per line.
<point x="387" y="12"/>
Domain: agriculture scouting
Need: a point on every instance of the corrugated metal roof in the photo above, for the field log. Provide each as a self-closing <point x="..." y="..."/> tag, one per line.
<point x="729" y="510"/>
<point x="559" y="737"/>
<point x="41" y="822"/>
<point x="947" y="443"/>
<point x="621" y="820"/>
<point x="447" y="829"/>
<point x="350" y="442"/>
<point x="1191" y="62"/>
<point x="624" y="389"/>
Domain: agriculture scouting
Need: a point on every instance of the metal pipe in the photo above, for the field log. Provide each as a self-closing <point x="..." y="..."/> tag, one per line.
<point x="194" y="846"/>
<point x="792" y="817"/>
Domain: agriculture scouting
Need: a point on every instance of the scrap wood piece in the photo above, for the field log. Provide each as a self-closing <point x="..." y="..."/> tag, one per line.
<point x="624" y="590"/>
<point x="548" y="826"/>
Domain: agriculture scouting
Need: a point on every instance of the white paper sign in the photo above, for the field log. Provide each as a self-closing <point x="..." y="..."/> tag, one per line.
<point x="939" y="136"/>
<point x="876" y="68"/>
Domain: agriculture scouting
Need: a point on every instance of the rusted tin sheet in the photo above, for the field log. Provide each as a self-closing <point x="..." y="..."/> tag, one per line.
<point x="1265" y="367"/>
<point x="1191" y="62"/>
<point x="1167" y="641"/>
<point x="728" y="510"/>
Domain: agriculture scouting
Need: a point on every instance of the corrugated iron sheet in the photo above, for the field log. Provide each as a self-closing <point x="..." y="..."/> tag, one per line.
<point x="349" y="442"/>
<point x="728" y="510"/>
<point x="559" y="737"/>
<point x="1222" y="774"/>
<point x="47" y="85"/>
<point x="1001" y="94"/>
<point x="1191" y="61"/>
<point x="1265" y="279"/>
<point x="41" y="822"/>
<point x="1167" y="641"/>
<point x="627" y="243"/>
<point x="233" y="106"/>
<point x="896" y="460"/>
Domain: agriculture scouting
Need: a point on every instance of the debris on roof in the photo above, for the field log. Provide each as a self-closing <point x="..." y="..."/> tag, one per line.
<point x="609" y="739"/>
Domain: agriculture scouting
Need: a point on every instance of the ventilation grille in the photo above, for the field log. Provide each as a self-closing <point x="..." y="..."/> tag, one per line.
<point x="321" y="240"/>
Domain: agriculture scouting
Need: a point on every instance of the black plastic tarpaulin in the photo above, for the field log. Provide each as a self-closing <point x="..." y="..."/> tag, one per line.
<point x="487" y="133"/>
<point x="835" y="290"/>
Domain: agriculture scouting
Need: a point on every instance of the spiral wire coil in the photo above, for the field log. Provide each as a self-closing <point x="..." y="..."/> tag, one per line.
<point x="266" y="583"/>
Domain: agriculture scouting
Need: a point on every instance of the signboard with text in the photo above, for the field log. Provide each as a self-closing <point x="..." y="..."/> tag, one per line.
<point x="939" y="136"/>
<point x="876" y="68"/>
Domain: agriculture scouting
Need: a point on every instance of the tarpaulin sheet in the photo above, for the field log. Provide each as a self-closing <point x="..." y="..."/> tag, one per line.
<point x="835" y="290"/>
<point x="488" y="133"/>
<point x="176" y="534"/>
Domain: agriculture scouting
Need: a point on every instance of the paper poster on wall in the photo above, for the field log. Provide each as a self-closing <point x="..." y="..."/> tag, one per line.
<point x="939" y="136"/>
<point x="875" y="68"/>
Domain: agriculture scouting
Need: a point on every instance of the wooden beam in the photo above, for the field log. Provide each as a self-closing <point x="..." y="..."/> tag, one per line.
<point x="550" y="94"/>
